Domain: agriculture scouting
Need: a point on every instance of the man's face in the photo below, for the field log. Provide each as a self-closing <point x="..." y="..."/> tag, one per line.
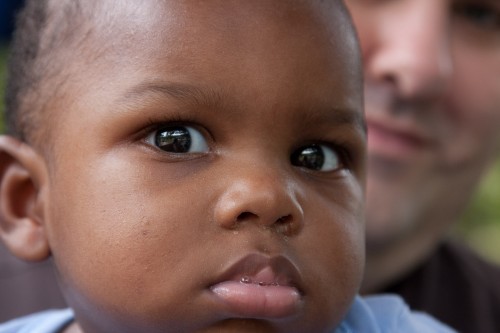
<point x="432" y="85"/>
<point x="208" y="169"/>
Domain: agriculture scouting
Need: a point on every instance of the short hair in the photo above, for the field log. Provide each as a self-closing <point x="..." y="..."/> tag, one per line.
<point x="44" y="28"/>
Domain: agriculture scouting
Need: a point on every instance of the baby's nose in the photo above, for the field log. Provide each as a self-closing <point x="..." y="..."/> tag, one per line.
<point x="264" y="199"/>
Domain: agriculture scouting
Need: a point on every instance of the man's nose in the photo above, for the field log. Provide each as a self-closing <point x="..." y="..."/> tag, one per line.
<point x="262" y="197"/>
<point x="413" y="51"/>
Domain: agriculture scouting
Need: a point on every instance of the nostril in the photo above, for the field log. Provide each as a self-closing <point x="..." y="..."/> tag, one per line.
<point x="286" y="225"/>
<point x="284" y="219"/>
<point x="245" y="216"/>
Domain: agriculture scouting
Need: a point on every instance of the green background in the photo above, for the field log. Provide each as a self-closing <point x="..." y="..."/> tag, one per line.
<point x="480" y="226"/>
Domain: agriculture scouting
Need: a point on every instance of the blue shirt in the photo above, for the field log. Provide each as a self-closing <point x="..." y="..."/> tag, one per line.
<point x="374" y="314"/>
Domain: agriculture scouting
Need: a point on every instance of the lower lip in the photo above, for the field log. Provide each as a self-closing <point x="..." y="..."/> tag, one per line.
<point x="391" y="144"/>
<point x="248" y="300"/>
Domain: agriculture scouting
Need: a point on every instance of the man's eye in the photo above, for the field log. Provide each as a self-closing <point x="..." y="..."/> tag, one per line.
<point x="316" y="157"/>
<point x="178" y="139"/>
<point x="481" y="15"/>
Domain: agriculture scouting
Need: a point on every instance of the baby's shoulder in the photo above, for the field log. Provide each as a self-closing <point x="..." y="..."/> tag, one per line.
<point x="51" y="321"/>
<point x="388" y="314"/>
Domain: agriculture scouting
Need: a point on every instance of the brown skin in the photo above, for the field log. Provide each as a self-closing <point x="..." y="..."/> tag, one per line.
<point x="139" y="234"/>
<point x="432" y="101"/>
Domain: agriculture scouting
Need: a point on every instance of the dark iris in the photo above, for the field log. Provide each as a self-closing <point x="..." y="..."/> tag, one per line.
<point x="310" y="157"/>
<point x="173" y="139"/>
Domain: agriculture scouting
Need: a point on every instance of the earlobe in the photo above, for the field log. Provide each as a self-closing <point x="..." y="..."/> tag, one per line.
<point x="21" y="207"/>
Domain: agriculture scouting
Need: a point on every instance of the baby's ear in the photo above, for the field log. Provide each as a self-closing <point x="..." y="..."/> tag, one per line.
<point x="22" y="175"/>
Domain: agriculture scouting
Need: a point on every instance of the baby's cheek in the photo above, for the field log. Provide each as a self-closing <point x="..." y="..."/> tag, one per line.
<point x="334" y="264"/>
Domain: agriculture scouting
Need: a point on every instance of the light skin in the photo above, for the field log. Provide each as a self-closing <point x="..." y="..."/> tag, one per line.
<point x="149" y="240"/>
<point x="432" y="96"/>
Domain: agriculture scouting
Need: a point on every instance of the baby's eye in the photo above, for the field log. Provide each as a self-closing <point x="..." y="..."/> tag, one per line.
<point x="178" y="139"/>
<point x="316" y="157"/>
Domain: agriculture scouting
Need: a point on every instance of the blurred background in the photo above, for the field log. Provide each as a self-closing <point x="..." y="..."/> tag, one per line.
<point x="480" y="226"/>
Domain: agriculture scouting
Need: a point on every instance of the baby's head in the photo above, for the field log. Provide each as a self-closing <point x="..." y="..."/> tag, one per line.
<point x="191" y="166"/>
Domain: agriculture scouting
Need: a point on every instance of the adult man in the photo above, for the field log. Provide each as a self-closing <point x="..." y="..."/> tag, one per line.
<point x="432" y="71"/>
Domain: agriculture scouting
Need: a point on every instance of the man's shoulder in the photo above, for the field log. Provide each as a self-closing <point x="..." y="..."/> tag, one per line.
<point x="51" y="321"/>
<point x="456" y="286"/>
<point x="452" y="267"/>
<point x="466" y="274"/>
<point x="462" y="260"/>
<point x="387" y="314"/>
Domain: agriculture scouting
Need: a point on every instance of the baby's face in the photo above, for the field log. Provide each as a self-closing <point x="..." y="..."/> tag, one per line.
<point x="208" y="169"/>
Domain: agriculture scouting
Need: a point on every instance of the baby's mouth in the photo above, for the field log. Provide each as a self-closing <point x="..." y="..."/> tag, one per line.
<point x="260" y="282"/>
<point x="259" y="287"/>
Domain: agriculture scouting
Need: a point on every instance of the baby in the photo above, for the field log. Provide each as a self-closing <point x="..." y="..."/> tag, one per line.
<point x="191" y="166"/>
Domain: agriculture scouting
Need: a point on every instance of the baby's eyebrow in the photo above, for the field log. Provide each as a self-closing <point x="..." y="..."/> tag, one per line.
<point x="353" y="117"/>
<point x="338" y="116"/>
<point x="203" y="96"/>
<point x="180" y="91"/>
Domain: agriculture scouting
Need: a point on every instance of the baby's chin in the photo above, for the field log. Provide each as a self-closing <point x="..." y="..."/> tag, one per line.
<point x="214" y="316"/>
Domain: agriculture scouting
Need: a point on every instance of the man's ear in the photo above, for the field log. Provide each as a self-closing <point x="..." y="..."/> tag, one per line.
<point x="22" y="178"/>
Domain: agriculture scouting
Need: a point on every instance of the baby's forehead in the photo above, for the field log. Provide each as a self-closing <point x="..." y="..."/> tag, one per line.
<point x="211" y="41"/>
<point x="110" y="29"/>
<point x="125" y="20"/>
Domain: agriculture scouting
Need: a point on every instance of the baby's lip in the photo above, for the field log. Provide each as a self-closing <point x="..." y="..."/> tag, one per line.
<point x="262" y="287"/>
<point x="255" y="268"/>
